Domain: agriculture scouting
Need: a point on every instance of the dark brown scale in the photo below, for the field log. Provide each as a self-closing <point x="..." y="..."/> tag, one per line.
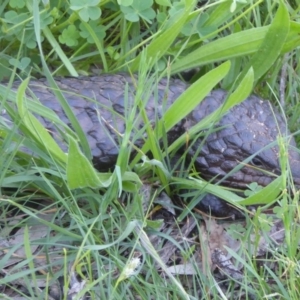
<point x="248" y="127"/>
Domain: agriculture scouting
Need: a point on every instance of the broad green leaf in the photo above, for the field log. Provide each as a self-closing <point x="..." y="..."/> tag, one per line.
<point x="240" y="94"/>
<point x="155" y="224"/>
<point x="243" y="90"/>
<point x="58" y="93"/>
<point x="157" y="163"/>
<point x="131" y="182"/>
<point x="118" y="172"/>
<point x="221" y="192"/>
<point x="133" y="177"/>
<point x="244" y="43"/>
<point x="220" y="14"/>
<point x="69" y="113"/>
<point x="190" y="98"/>
<point x="35" y="127"/>
<point x="292" y="40"/>
<point x="187" y="101"/>
<point x="80" y="172"/>
<point x="235" y="45"/>
<point x="271" y="46"/>
<point x="266" y="195"/>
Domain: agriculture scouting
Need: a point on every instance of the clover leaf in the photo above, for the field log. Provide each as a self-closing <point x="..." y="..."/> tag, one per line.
<point x="20" y="64"/>
<point x="139" y="9"/>
<point x="99" y="30"/>
<point x="87" y="9"/>
<point x="253" y="188"/>
<point x="17" y="3"/>
<point x="29" y="38"/>
<point x="125" y="2"/>
<point x="197" y="25"/>
<point x="46" y="19"/>
<point x="164" y="2"/>
<point x="69" y="36"/>
<point x="12" y="18"/>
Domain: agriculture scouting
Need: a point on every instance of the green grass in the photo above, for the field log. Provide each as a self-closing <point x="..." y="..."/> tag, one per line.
<point x="84" y="225"/>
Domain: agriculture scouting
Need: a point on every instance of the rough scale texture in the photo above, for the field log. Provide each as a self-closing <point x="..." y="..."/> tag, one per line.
<point x="246" y="129"/>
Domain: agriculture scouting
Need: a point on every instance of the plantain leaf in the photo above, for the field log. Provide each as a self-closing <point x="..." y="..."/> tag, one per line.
<point x="35" y="127"/>
<point x="187" y="101"/>
<point x="241" y="92"/>
<point x="278" y="38"/>
<point x="57" y="92"/>
<point x="266" y="195"/>
<point x="292" y="40"/>
<point x="271" y="46"/>
<point x="80" y="172"/>
<point x="235" y="45"/>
